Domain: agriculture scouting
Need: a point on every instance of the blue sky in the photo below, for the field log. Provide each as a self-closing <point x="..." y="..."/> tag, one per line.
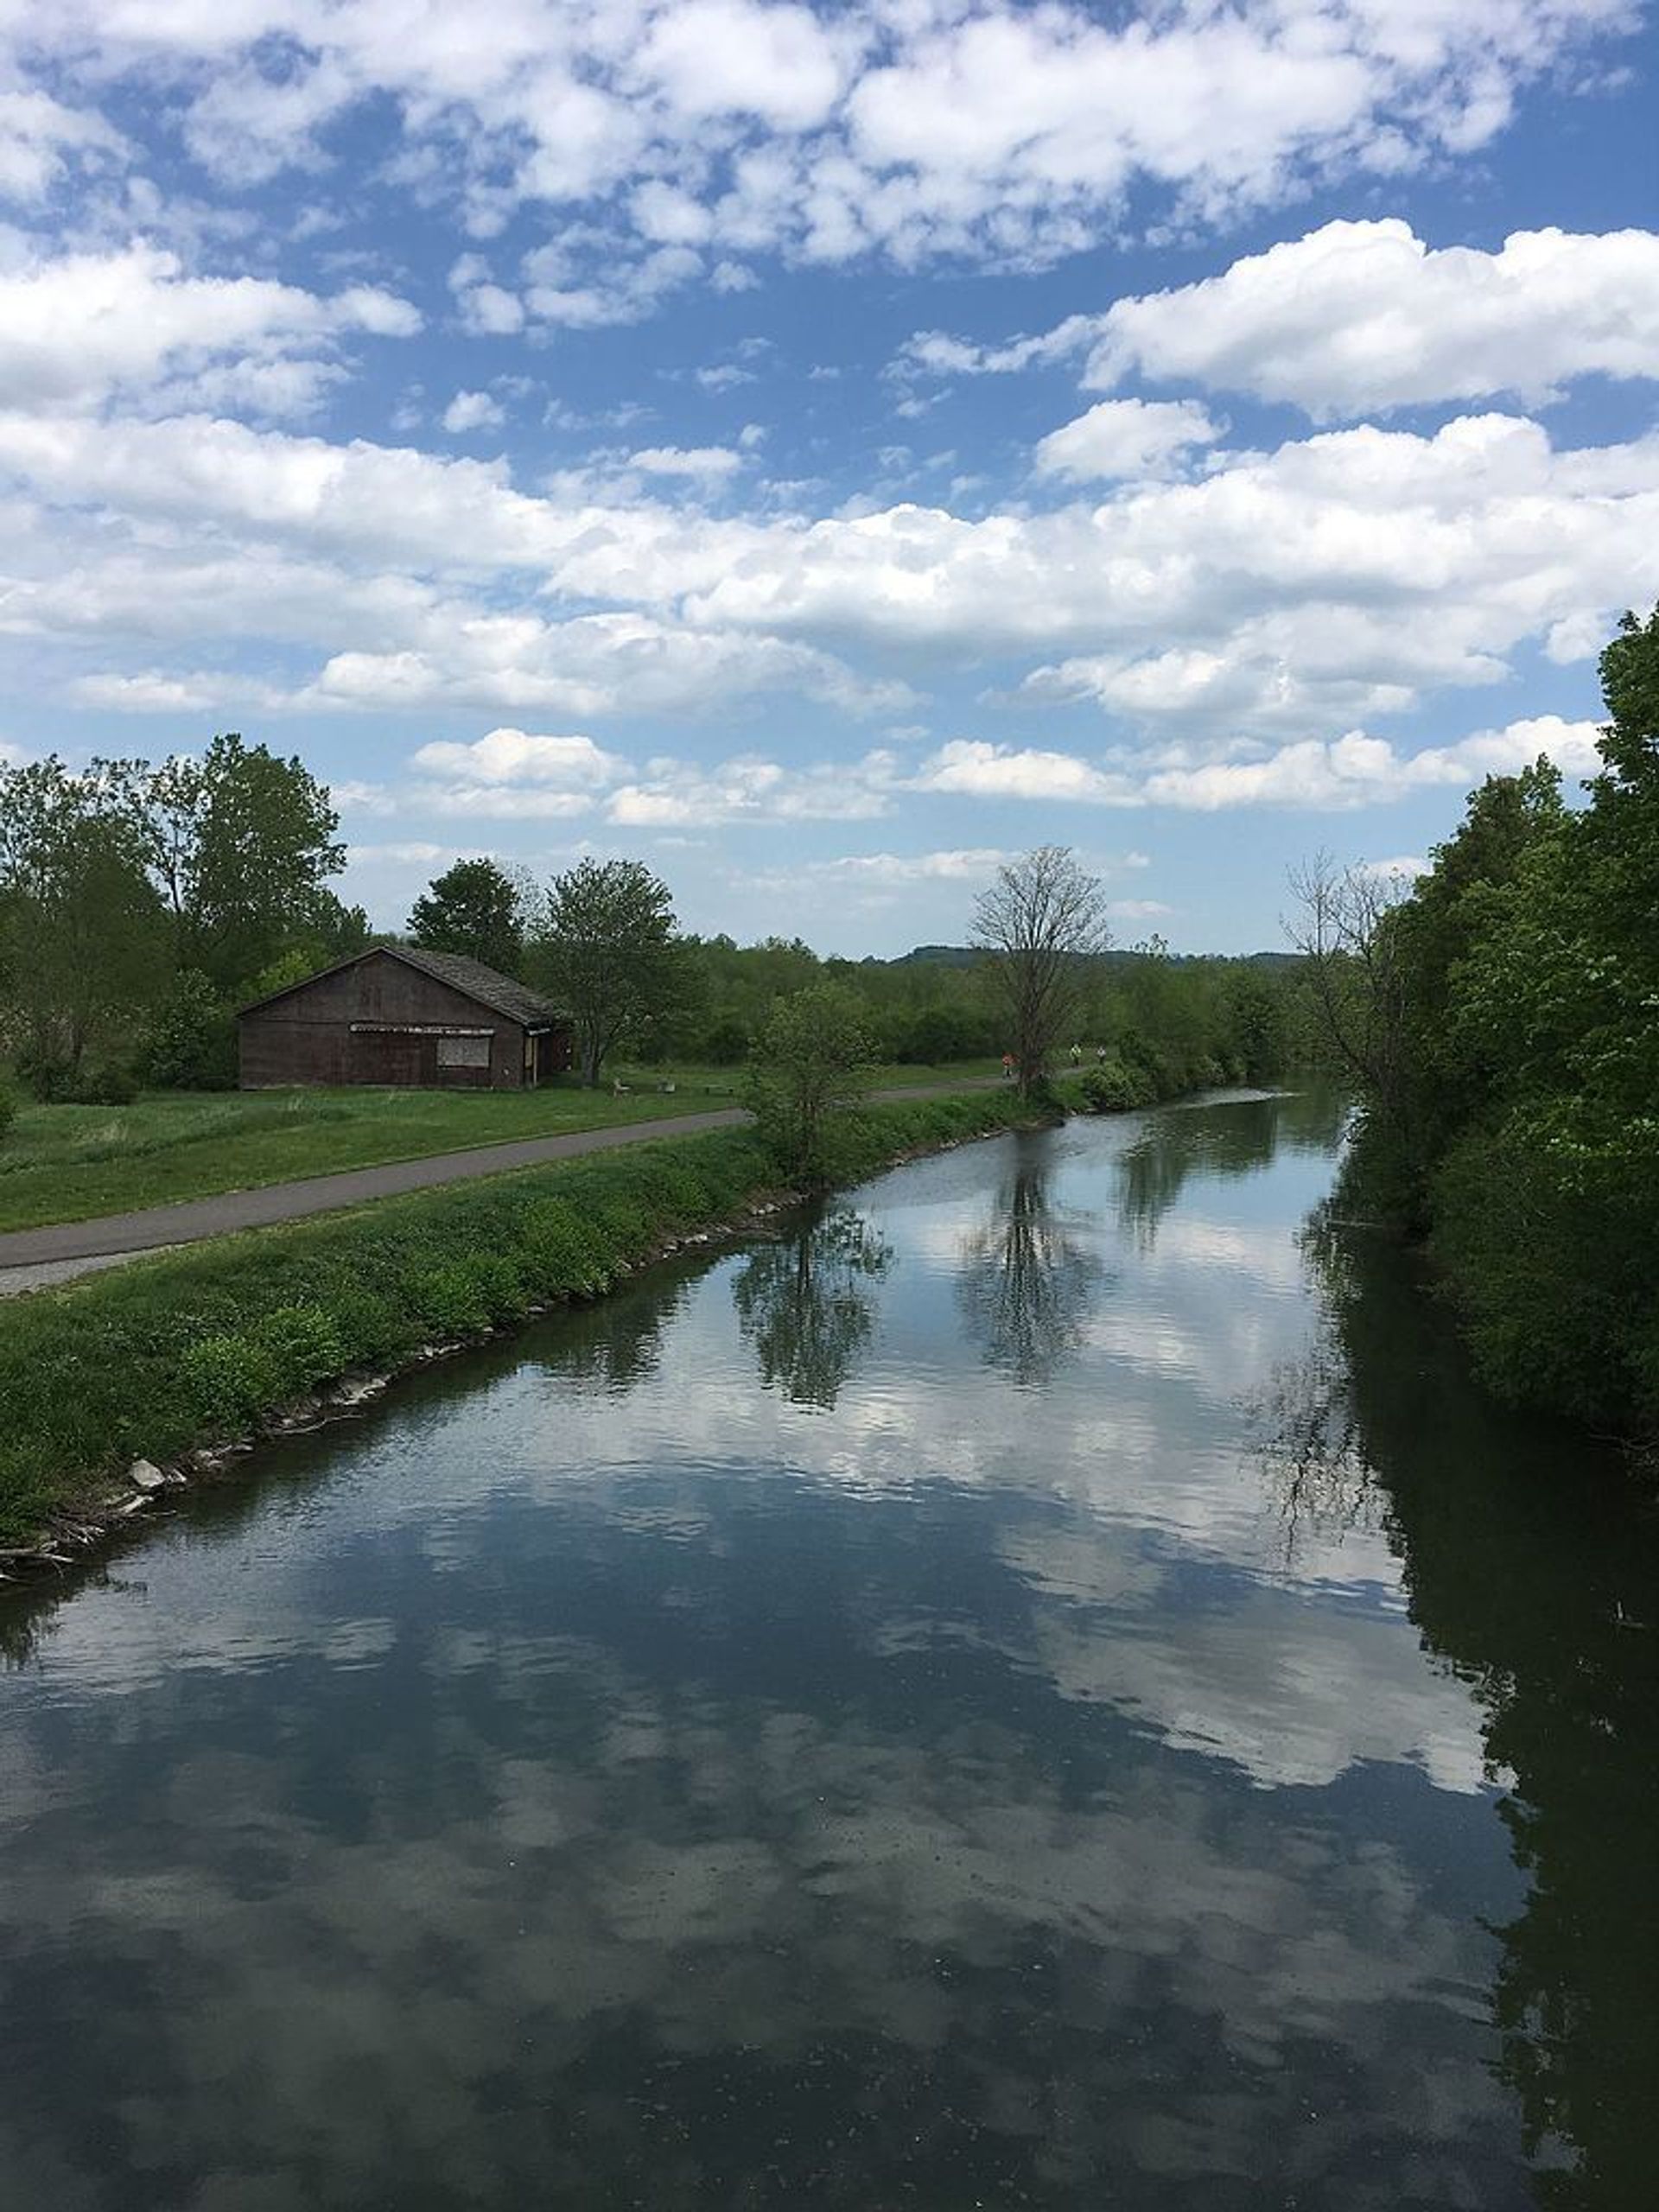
<point x="825" y="451"/>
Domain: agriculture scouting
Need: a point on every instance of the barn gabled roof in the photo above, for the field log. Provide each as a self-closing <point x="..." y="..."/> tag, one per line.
<point x="470" y="977"/>
<point x="488" y="985"/>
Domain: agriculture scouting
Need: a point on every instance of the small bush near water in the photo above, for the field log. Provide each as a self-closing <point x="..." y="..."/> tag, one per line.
<point x="148" y="1360"/>
<point x="1115" y="1085"/>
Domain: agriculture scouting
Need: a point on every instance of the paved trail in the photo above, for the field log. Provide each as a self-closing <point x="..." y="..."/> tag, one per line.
<point x="32" y="1258"/>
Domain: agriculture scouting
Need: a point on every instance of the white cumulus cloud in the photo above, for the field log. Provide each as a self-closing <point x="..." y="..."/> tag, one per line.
<point x="711" y="131"/>
<point x="77" y="327"/>
<point x="1365" y="314"/>
<point x="1357" y="317"/>
<point x="977" y="769"/>
<point x="515" y="756"/>
<point x="473" y="410"/>
<point x="1125" y="437"/>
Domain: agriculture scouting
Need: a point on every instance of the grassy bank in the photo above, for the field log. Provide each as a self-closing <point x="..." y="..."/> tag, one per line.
<point x="72" y="1163"/>
<point x="151" y="1360"/>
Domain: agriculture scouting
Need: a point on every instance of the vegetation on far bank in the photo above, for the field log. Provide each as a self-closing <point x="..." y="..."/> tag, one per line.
<point x="74" y="1163"/>
<point x="1502" y="1021"/>
<point x="149" y="1360"/>
<point x="140" y="904"/>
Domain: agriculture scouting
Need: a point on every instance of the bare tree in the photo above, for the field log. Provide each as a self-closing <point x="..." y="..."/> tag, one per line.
<point x="1344" y="932"/>
<point x="1041" y="920"/>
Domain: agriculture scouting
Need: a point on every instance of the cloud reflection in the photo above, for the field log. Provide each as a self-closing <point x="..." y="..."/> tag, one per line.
<point x="592" y="1780"/>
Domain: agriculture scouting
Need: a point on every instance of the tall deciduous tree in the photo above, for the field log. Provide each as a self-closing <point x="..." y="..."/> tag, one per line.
<point x="240" y="844"/>
<point x="83" y="946"/>
<point x="475" y="908"/>
<point x="608" y="952"/>
<point x="1040" y="924"/>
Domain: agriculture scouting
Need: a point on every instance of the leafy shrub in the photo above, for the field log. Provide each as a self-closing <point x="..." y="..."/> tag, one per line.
<point x="451" y="1299"/>
<point x="726" y="1044"/>
<point x="229" y="1380"/>
<point x="499" y="1282"/>
<point x="43" y="1073"/>
<point x="303" y="1345"/>
<point x="109" y="1085"/>
<point x="8" y="1108"/>
<point x="191" y="1041"/>
<point x="935" y="1035"/>
<point x="1108" y="1087"/>
<point x="1549" y="1246"/>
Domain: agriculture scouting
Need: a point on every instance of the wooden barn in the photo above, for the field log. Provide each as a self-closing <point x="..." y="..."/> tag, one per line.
<point x="396" y="1015"/>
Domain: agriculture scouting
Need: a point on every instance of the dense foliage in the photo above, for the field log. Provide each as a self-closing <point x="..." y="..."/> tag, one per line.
<point x="476" y="908"/>
<point x="1162" y="1024"/>
<point x="139" y="905"/>
<point x="605" y="950"/>
<point x="812" y="1050"/>
<point x="1512" y="1108"/>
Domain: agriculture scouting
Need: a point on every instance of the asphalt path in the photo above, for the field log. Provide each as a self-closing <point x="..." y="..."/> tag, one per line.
<point x="30" y="1259"/>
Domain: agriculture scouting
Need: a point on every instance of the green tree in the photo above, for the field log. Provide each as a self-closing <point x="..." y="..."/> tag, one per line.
<point x="809" y="1060"/>
<point x="608" y="953"/>
<point x="1041" y="923"/>
<point x="190" y="1042"/>
<point x="474" y="907"/>
<point x="241" y="843"/>
<point x="1519" y="1131"/>
<point x="334" y="931"/>
<point x="83" y="938"/>
<point x="1546" y="1208"/>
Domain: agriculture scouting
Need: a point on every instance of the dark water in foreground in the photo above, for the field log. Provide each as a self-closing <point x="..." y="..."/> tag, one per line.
<point x="1043" y="1688"/>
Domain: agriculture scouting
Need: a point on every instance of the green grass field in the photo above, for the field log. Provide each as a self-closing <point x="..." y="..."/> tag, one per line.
<point x="72" y="1163"/>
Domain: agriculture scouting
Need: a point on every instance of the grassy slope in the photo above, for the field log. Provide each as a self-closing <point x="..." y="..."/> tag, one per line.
<point x="72" y="1163"/>
<point x="151" y="1359"/>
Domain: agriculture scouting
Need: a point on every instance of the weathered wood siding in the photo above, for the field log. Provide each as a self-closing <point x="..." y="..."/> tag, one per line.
<point x="307" y="1037"/>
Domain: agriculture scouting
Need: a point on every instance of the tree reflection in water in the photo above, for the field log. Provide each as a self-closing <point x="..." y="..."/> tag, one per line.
<point x="1027" y="1283"/>
<point x="1304" y="1427"/>
<point x="1532" y="1568"/>
<point x="803" y="1303"/>
<point x="1181" y="1141"/>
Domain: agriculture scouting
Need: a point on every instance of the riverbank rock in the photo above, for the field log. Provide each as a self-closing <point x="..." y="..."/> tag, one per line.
<point x="144" y="1474"/>
<point x="358" y="1391"/>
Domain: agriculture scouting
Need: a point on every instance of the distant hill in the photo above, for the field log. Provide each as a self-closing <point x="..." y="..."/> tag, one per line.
<point x="965" y="955"/>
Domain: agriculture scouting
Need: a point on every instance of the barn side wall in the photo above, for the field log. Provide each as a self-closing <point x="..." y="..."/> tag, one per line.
<point x="308" y="1037"/>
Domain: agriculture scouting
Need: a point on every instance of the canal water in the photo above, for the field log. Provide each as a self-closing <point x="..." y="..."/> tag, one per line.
<point x="1041" y="1685"/>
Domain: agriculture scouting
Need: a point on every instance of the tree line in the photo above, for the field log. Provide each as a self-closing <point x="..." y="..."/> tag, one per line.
<point x="1038" y="977"/>
<point x="1500" y="1024"/>
<point x="141" y="904"/>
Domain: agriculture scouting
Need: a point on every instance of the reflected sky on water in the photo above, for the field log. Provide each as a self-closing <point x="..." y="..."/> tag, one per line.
<point x="926" y="1709"/>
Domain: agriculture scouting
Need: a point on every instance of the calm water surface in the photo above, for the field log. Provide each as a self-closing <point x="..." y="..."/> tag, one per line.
<point x="1041" y="1686"/>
